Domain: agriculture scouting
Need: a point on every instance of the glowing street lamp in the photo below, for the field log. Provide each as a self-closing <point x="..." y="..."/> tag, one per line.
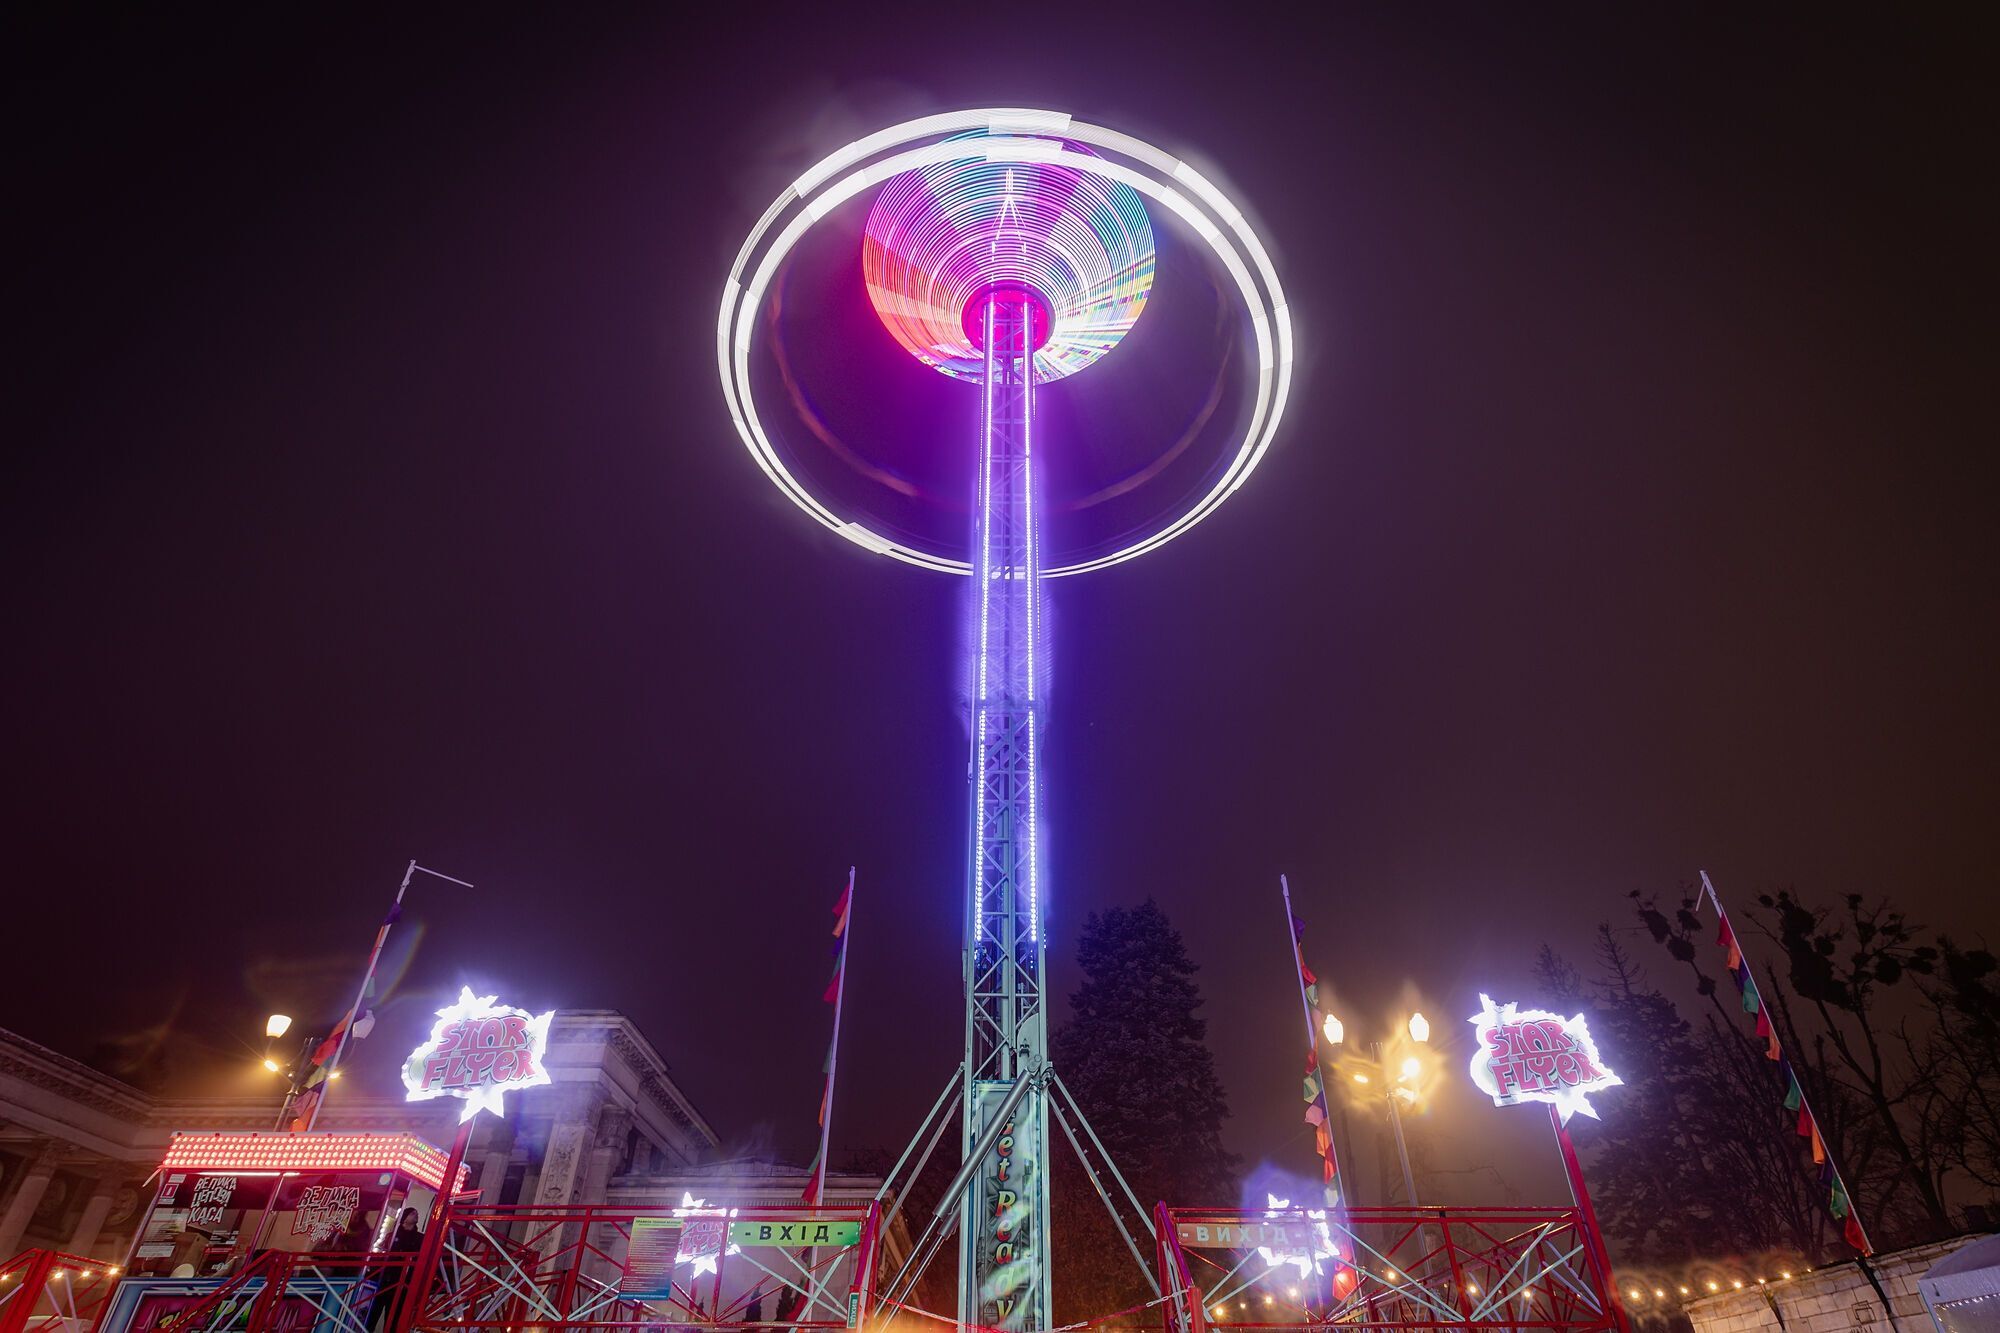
<point x="277" y="1025"/>
<point x="1330" y="1027"/>
<point x="1420" y="1027"/>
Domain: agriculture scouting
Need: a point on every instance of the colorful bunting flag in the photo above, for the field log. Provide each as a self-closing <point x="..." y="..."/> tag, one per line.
<point x="1314" y="1086"/>
<point x="835" y="993"/>
<point x="1839" y="1203"/>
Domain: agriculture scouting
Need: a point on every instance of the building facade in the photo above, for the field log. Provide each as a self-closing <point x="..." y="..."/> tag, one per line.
<point x="77" y="1146"/>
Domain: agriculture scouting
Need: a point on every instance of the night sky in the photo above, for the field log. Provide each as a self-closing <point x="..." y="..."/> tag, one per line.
<point x="371" y="495"/>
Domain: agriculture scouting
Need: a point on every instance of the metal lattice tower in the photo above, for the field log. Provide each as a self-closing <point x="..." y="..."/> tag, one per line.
<point x="1004" y="1225"/>
<point x="1007" y="248"/>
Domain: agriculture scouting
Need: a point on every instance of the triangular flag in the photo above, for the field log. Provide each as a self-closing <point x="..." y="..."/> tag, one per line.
<point x="1298" y="930"/>
<point x="1794" y="1095"/>
<point x="1307" y="974"/>
<point x="1818" y="1146"/>
<point x="1805" y="1119"/>
<point x="840" y="909"/>
<point x="1723" y="934"/>
<point x="1853" y="1234"/>
<point x="1312" y="996"/>
<point x="833" y="986"/>
<point x="1735" y="955"/>
<point x="1771" y="1050"/>
<point x="1313" y="1114"/>
<point x="1749" y="995"/>
<point x="1837" y="1204"/>
<point x="1313" y="1086"/>
<point x="1320" y="1139"/>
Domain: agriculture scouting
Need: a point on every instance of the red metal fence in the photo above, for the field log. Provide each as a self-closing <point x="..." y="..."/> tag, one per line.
<point x="514" y="1269"/>
<point x="507" y="1268"/>
<point x="47" y="1291"/>
<point x="1382" y="1268"/>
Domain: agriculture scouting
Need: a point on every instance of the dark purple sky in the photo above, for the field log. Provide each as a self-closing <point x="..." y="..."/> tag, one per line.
<point x="371" y="496"/>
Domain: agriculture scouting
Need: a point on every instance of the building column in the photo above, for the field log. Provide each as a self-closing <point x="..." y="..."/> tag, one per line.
<point x="95" y="1210"/>
<point x="609" y="1144"/>
<point x="498" y="1148"/>
<point x="27" y="1197"/>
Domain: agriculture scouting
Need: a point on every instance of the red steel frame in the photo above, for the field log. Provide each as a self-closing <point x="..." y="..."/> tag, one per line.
<point x="1397" y="1268"/>
<point x="514" y="1268"/>
<point x="48" y="1291"/>
<point x="558" y="1268"/>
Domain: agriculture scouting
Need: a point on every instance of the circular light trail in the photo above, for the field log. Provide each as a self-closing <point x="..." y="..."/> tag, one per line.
<point x="1012" y="136"/>
<point x="940" y="236"/>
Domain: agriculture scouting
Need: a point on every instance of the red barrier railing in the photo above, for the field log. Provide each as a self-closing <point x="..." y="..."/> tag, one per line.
<point x="515" y="1268"/>
<point x="506" y="1268"/>
<point x="47" y="1291"/>
<point x="1381" y="1268"/>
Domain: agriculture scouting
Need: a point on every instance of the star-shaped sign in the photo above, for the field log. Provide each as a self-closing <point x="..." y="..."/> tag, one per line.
<point x="1532" y="1055"/>
<point x="479" y="1050"/>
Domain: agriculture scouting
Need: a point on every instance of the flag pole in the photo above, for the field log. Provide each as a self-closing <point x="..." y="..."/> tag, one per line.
<point x="1859" y="1240"/>
<point x="1324" y="1103"/>
<point x="367" y="979"/>
<point x="845" y="927"/>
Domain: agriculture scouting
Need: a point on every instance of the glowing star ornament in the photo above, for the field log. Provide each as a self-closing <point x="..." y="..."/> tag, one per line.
<point x="703" y="1237"/>
<point x="1323" y="1246"/>
<point x="1531" y="1055"/>
<point x="479" y="1050"/>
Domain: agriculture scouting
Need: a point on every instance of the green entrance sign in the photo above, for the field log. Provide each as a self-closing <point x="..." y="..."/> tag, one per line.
<point x="795" y="1231"/>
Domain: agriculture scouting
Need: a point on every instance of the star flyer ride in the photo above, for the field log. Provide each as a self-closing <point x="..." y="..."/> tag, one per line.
<point x="1009" y="250"/>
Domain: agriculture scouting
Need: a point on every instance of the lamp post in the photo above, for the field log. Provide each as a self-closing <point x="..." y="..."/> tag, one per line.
<point x="1396" y="1088"/>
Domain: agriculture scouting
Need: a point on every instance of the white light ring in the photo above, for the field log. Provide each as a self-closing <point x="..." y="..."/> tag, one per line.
<point x="1036" y="149"/>
<point x="1270" y="314"/>
<point x="751" y="426"/>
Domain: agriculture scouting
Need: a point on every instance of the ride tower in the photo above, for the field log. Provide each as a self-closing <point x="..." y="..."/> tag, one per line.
<point x="1004" y="1218"/>
<point x="1007" y="249"/>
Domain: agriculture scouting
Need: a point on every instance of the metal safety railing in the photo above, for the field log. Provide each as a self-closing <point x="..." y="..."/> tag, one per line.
<point x="576" y="1268"/>
<point x="1382" y="1268"/>
<point x="48" y="1291"/>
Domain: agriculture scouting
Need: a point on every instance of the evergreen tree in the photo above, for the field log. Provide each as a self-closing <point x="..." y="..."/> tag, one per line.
<point x="1134" y="1053"/>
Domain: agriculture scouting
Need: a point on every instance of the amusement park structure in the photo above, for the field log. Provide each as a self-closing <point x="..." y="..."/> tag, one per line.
<point x="1008" y="249"/>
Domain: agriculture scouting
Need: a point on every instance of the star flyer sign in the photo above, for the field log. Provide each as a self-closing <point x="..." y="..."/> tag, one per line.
<point x="1531" y="1055"/>
<point x="478" y="1050"/>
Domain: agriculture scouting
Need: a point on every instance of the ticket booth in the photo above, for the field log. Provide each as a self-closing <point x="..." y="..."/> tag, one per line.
<point x="220" y="1201"/>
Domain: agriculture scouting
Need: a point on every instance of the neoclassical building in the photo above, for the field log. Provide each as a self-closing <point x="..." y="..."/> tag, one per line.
<point x="77" y="1146"/>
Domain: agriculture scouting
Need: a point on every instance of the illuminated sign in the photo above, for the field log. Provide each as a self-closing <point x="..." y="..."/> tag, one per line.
<point x="267" y="1153"/>
<point x="478" y="1050"/>
<point x="1531" y="1055"/>
<point x="795" y="1231"/>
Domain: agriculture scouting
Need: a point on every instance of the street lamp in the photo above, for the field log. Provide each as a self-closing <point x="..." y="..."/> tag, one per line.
<point x="277" y="1025"/>
<point x="1400" y="1090"/>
